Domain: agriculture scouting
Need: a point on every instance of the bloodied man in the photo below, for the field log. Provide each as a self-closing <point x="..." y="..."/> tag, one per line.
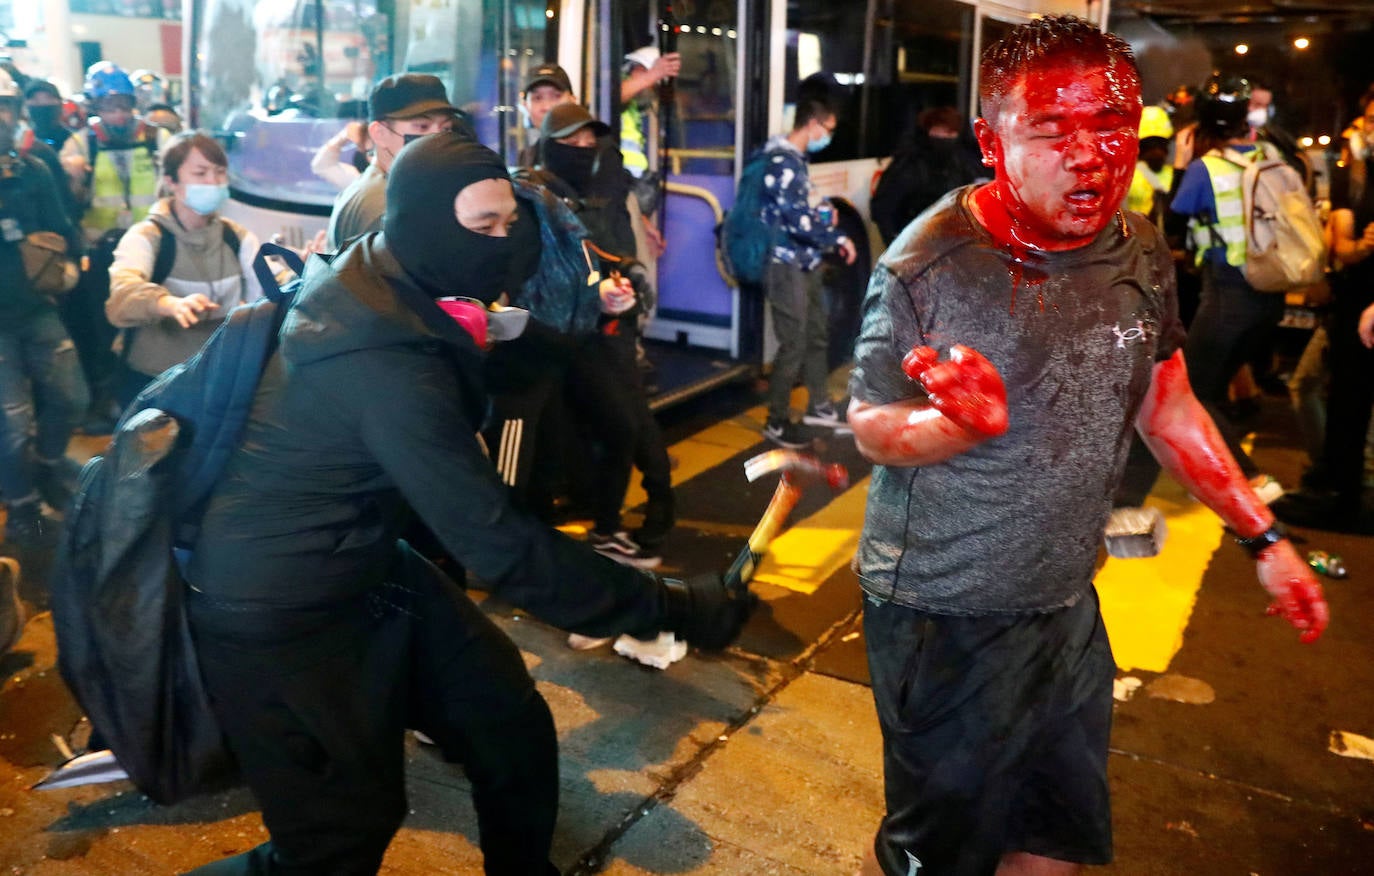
<point x="1012" y="336"/>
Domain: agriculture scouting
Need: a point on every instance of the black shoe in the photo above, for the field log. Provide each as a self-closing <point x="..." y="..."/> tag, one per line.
<point x="786" y="433"/>
<point x="623" y="549"/>
<point x="1325" y="511"/>
<point x="827" y="416"/>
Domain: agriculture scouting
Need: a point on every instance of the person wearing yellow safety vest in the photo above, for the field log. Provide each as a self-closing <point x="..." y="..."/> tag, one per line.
<point x="644" y="68"/>
<point x="1233" y="319"/>
<point x="123" y="154"/>
<point x="1154" y="176"/>
<point x="123" y="185"/>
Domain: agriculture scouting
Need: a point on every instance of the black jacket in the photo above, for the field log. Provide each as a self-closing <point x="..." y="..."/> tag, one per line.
<point x="29" y="201"/>
<point x="372" y="403"/>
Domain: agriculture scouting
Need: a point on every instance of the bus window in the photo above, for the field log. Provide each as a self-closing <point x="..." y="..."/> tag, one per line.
<point x="314" y="62"/>
<point x="920" y="57"/>
<point x="701" y="129"/>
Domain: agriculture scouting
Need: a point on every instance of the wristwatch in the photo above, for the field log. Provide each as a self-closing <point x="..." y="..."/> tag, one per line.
<point x="1256" y="544"/>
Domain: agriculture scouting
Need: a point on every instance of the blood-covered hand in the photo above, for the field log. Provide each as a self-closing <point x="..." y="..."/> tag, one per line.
<point x="966" y="388"/>
<point x="617" y="295"/>
<point x="1297" y="594"/>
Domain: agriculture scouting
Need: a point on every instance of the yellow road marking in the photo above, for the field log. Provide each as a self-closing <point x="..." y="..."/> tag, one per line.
<point x="1146" y="603"/>
<point x="810" y="551"/>
<point x="708" y="449"/>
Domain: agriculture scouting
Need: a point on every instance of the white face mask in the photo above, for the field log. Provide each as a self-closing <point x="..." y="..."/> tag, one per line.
<point x="1258" y="118"/>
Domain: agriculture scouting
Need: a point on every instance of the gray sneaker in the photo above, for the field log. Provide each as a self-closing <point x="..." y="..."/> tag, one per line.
<point x="12" y="615"/>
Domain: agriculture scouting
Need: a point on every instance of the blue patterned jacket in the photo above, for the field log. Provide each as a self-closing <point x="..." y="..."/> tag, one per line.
<point x="787" y="208"/>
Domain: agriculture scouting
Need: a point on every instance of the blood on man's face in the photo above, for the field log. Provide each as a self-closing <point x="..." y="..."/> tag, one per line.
<point x="1064" y="150"/>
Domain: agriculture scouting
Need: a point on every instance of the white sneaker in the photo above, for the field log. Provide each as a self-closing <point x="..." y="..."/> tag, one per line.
<point x="659" y="653"/>
<point x="579" y="642"/>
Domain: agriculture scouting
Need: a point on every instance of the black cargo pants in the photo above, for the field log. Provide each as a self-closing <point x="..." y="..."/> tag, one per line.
<point x="315" y="703"/>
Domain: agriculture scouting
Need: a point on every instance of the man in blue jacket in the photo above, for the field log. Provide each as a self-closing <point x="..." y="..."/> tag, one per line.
<point x="802" y="234"/>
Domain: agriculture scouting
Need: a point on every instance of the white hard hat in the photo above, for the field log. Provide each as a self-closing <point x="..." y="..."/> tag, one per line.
<point x="644" y="57"/>
<point x="8" y="87"/>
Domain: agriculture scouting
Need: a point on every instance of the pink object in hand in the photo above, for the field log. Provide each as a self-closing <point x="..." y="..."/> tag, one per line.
<point x="469" y="314"/>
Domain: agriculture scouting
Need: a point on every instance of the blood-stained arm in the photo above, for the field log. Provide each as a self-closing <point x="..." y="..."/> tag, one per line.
<point x="965" y="404"/>
<point x="1184" y="439"/>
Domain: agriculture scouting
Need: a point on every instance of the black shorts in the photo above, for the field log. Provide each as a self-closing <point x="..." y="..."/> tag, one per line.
<point x="995" y="733"/>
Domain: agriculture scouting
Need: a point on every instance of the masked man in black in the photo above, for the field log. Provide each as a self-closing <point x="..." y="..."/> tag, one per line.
<point x="321" y="637"/>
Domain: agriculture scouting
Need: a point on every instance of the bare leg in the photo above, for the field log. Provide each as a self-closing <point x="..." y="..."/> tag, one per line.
<point x="1026" y="864"/>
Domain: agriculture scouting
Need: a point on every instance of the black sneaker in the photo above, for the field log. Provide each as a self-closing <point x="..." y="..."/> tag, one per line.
<point x="827" y="416"/>
<point x="11" y="609"/>
<point x="786" y="434"/>
<point x="623" y="549"/>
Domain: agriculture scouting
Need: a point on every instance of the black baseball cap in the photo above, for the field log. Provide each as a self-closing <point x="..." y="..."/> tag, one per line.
<point x="549" y="74"/>
<point x="407" y="95"/>
<point x="567" y="119"/>
<point x="41" y="86"/>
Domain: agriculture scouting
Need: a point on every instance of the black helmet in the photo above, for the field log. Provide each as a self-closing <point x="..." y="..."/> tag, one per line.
<point x="1223" y="105"/>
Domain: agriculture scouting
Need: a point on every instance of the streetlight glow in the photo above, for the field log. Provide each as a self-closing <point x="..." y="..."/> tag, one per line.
<point x="1305" y="142"/>
<point x="1242" y="48"/>
<point x="1301" y="43"/>
<point x="1324" y="140"/>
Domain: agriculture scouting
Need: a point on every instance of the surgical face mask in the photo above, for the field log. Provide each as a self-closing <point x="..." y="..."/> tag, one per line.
<point x="820" y="143"/>
<point x="1258" y="118"/>
<point x="205" y="199"/>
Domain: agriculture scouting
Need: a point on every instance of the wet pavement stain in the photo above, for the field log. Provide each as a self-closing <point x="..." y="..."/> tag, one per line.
<point x="1181" y="689"/>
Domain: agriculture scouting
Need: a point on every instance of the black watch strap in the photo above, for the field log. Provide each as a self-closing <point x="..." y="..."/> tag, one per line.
<point x="1257" y="543"/>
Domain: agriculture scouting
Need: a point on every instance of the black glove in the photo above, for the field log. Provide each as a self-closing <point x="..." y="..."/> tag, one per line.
<point x="706" y="614"/>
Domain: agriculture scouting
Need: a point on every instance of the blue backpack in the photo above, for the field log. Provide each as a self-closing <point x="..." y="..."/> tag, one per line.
<point x="118" y="597"/>
<point x="744" y="239"/>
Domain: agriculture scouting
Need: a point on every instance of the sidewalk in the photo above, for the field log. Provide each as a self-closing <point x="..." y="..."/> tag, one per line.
<point x="722" y="764"/>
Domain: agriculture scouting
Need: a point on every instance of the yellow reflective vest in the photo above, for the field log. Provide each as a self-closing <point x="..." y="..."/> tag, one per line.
<point x="124" y="180"/>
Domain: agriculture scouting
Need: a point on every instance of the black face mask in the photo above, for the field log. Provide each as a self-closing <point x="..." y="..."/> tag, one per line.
<point x="526" y="248"/>
<point x="575" y="165"/>
<point x="47" y="120"/>
<point x="420" y="227"/>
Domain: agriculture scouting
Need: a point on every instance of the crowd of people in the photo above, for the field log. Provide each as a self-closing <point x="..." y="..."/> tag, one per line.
<point x="398" y="410"/>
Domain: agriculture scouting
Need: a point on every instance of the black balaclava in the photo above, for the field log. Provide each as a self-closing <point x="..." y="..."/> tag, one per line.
<point x="46" y="120"/>
<point x="527" y="248"/>
<point x="575" y="165"/>
<point x="420" y="226"/>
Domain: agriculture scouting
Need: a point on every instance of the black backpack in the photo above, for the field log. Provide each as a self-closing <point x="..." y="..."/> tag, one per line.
<point x="124" y="645"/>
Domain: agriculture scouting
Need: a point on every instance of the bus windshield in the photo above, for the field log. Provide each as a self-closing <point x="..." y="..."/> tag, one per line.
<point x="276" y="79"/>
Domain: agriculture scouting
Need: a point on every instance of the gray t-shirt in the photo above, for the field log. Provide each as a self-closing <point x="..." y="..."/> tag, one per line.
<point x="1012" y="525"/>
<point x="359" y="208"/>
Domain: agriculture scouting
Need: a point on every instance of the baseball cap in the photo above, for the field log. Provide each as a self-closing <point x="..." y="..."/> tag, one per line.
<point x="549" y="74"/>
<point x="567" y="119"/>
<point x="41" y="86"/>
<point x="407" y="95"/>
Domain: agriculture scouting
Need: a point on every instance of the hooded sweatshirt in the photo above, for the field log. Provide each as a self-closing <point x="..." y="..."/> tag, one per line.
<point x="204" y="263"/>
<point x="370" y="404"/>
